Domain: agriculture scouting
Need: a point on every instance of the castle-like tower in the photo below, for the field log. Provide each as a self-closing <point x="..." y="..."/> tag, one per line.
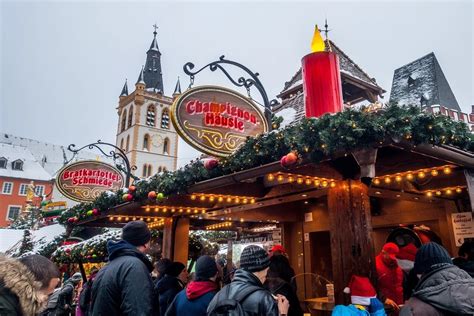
<point x="144" y="129"/>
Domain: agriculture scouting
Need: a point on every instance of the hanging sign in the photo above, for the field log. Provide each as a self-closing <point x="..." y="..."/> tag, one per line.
<point x="216" y="120"/>
<point x="463" y="227"/>
<point x="84" y="181"/>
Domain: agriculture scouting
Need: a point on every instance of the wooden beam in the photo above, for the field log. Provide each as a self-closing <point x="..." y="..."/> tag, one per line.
<point x="167" y="247"/>
<point x="181" y="240"/>
<point x="352" y="248"/>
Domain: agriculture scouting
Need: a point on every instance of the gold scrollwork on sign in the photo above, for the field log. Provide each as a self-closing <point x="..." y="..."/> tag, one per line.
<point x="84" y="193"/>
<point x="215" y="138"/>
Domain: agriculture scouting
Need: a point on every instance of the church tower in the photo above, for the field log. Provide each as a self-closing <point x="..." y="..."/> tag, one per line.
<point x="144" y="130"/>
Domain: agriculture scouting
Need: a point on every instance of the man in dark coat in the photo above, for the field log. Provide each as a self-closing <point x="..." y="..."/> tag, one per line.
<point x="254" y="263"/>
<point x="124" y="286"/>
<point x="66" y="296"/>
<point x="170" y="285"/>
<point x="193" y="300"/>
<point x="443" y="289"/>
<point x="25" y="284"/>
<point x="465" y="260"/>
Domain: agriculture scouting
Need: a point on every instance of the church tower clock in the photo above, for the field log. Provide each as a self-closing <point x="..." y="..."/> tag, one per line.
<point x="144" y="129"/>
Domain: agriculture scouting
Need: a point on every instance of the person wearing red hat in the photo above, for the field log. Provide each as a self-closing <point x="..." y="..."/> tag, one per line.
<point x="406" y="261"/>
<point x="363" y="299"/>
<point x="390" y="275"/>
<point x="278" y="250"/>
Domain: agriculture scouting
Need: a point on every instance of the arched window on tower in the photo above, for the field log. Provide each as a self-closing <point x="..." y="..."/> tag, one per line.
<point x="149" y="171"/>
<point x="165" y="119"/>
<point x="130" y="117"/>
<point x="150" y="115"/>
<point x="164" y="169"/>
<point x="145" y="170"/>
<point x="166" y="146"/>
<point x="128" y="143"/>
<point x="146" y="142"/>
<point x="121" y="144"/>
<point x="159" y="169"/>
<point x="124" y="120"/>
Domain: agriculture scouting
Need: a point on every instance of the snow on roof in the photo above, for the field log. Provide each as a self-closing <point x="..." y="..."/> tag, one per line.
<point x="10" y="238"/>
<point x="31" y="167"/>
<point x="51" y="157"/>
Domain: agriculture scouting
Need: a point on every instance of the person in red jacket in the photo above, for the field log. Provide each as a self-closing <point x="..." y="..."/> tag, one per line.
<point x="390" y="275"/>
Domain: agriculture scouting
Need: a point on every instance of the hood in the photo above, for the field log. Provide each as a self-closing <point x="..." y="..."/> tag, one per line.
<point x="122" y="248"/>
<point x="168" y="282"/>
<point x="196" y="289"/>
<point x="20" y="281"/>
<point x="447" y="288"/>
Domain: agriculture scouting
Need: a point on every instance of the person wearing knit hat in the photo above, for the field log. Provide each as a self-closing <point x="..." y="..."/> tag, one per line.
<point x="443" y="289"/>
<point x="124" y="285"/>
<point x="389" y="275"/>
<point x="194" y="300"/>
<point x="246" y="291"/>
<point x="363" y="299"/>
<point x="170" y="285"/>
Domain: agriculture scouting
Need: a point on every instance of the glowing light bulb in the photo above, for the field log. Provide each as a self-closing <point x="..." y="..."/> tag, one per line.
<point x="271" y="177"/>
<point x="449" y="191"/>
<point x="202" y="197"/>
<point x="376" y="181"/>
<point x="409" y="176"/>
<point x="434" y="172"/>
<point x="458" y="190"/>
<point x="299" y="180"/>
<point x="237" y="200"/>
<point x="280" y="178"/>
<point x="173" y="210"/>
<point x="317" y="183"/>
<point x="193" y="197"/>
<point x="447" y="170"/>
<point x="438" y="193"/>
<point x="398" y="178"/>
<point x="245" y="201"/>
<point x="229" y="199"/>
<point x="421" y="175"/>
<point x="212" y="198"/>
<point x="387" y="180"/>
<point x="291" y="179"/>
<point x="308" y="181"/>
<point x="324" y="184"/>
<point x="147" y="209"/>
<point x="252" y="200"/>
<point x="164" y="210"/>
<point x="332" y="184"/>
<point x="220" y="199"/>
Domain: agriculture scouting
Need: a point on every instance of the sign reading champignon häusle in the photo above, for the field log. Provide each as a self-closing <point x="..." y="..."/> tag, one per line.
<point x="216" y="120"/>
<point x="84" y="181"/>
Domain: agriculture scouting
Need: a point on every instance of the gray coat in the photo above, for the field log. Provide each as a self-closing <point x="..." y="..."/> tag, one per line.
<point x="446" y="290"/>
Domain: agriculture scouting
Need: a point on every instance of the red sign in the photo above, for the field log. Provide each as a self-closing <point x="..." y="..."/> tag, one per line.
<point x="216" y="120"/>
<point x="85" y="180"/>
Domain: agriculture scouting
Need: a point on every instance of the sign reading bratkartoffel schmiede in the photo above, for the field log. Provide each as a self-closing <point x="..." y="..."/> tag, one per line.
<point x="216" y="120"/>
<point x="84" y="181"/>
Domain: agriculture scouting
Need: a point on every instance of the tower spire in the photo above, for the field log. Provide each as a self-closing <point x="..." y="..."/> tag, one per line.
<point x="177" y="89"/>
<point x="152" y="75"/>
<point x="140" y="77"/>
<point x="124" y="92"/>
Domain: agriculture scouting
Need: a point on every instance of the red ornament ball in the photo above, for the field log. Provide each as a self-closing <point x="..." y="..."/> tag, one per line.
<point x="95" y="212"/>
<point x="283" y="161"/>
<point x="152" y="195"/>
<point x="127" y="197"/>
<point x="291" y="158"/>
<point x="68" y="250"/>
<point x="70" y="220"/>
<point x="210" y="163"/>
<point x="132" y="188"/>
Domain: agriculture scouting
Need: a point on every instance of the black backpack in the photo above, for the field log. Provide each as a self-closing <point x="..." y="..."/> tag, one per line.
<point x="231" y="306"/>
<point x="86" y="296"/>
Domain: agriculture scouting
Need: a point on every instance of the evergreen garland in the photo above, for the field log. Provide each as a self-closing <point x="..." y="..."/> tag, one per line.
<point x="313" y="139"/>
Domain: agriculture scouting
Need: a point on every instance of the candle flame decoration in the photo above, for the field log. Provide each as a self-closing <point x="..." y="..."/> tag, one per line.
<point x="317" y="44"/>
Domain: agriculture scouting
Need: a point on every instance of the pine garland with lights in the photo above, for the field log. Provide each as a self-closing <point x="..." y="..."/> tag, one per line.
<point x="312" y="139"/>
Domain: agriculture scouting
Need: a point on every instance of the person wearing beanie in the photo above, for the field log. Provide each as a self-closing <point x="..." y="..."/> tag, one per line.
<point x="193" y="300"/>
<point x="246" y="291"/>
<point x="124" y="286"/>
<point x="443" y="288"/>
<point x="389" y="275"/>
<point x="170" y="285"/>
<point x="363" y="299"/>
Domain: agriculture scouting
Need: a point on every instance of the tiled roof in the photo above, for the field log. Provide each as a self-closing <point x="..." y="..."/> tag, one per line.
<point x="31" y="168"/>
<point x="422" y="83"/>
<point x="347" y="67"/>
<point x="297" y="103"/>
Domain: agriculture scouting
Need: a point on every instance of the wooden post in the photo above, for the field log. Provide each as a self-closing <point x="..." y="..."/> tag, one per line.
<point x="352" y="247"/>
<point x="181" y="240"/>
<point x="167" y="247"/>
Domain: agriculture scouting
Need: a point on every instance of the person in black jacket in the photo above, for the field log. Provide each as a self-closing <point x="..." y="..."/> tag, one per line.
<point x="465" y="260"/>
<point x="254" y="263"/>
<point x="64" y="305"/>
<point x="170" y="285"/>
<point x="124" y="285"/>
<point x="277" y="284"/>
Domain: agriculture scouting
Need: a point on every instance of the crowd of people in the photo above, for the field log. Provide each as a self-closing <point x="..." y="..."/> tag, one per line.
<point x="410" y="281"/>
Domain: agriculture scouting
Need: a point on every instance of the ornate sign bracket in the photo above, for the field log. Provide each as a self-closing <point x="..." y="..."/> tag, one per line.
<point x="240" y="82"/>
<point x="116" y="153"/>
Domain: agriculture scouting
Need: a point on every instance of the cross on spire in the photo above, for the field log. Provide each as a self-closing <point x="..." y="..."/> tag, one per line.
<point x="155" y="27"/>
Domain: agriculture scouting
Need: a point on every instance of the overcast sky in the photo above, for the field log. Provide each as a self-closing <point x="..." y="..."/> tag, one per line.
<point x="63" y="64"/>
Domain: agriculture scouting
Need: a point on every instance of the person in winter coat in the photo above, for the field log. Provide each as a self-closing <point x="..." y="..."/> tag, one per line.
<point x="66" y="296"/>
<point x="389" y="275"/>
<point x="124" y="285"/>
<point x="254" y="263"/>
<point x="364" y="300"/>
<point x="443" y="289"/>
<point x="193" y="300"/>
<point x="170" y="285"/>
<point x="277" y="283"/>
<point x="160" y="268"/>
<point x="85" y="296"/>
<point x="465" y="260"/>
<point x="25" y="284"/>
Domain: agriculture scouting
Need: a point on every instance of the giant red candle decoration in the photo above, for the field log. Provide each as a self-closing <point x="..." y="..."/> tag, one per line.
<point x="321" y="79"/>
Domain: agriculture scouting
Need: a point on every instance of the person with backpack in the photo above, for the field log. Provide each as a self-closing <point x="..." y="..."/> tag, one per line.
<point x="193" y="300"/>
<point x="245" y="295"/>
<point x="124" y="286"/>
<point x="61" y="302"/>
<point x="86" y="294"/>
